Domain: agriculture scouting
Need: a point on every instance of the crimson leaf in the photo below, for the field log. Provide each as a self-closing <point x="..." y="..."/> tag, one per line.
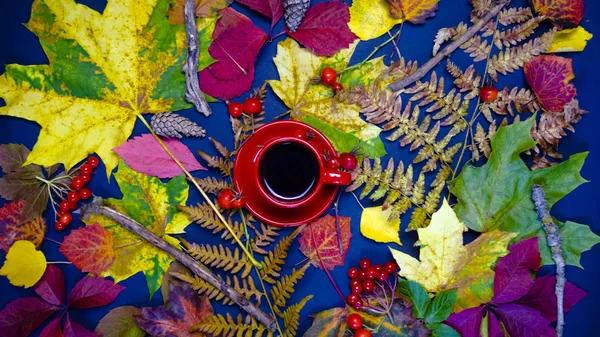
<point x="541" y="296"/>
<point x="53" y="329"/>
<point x="92" y="292"/>
<point x="273" y="9"/>
<point x="74" y="329"/>
<point x="521" y="321"/>
<point x="52" y="286"/>
<point x="23" y="315"/>
<point x="513" y="277"/>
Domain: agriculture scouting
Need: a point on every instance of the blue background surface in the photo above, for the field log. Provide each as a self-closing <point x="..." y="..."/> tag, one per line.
<point x="18" y="45"/>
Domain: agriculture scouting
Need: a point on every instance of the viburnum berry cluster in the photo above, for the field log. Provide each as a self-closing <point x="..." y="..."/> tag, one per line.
<point x="78" y="192"/>
<point x="230" y="199"/>
<point x="252" y="106"/>
<point x="364" y="280"/>
<point x="329" y="78"/>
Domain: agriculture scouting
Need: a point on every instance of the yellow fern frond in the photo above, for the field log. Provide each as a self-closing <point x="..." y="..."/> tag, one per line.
<point x="212" y="185"/>
<point x="219" y="257"/>
<point x="264" y="237"/>
<point x="291" y="317"/>
<point x="203" y="215"/>
<point x="245" y="286"/>
<point x="283" y="289"/>
<point x="513" y="15"/>
<point x="227" y="326"/>
<point x="523" y="100"/>
<point x="276" y="258"/>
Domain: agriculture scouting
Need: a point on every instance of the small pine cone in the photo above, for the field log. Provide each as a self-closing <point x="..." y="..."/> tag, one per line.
<point x="170" y="125"/>
<point x="294" y="12"/>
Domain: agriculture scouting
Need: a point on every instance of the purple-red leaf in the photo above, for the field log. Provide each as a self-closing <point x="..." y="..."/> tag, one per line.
<point x="74" y="329"/>
<point x="273" y="9"/>
<point x="52" y="286"/>
<point x="324" y="29"/>
<point x="93" y="292"/>
<point x="541" y="297"/>
<point x="236" y="44"/>
<point x="494" y="329"/>
<point x="513" y="272"/>
<point x="53" y="329"/>
<point x="467" y="322"/>
<point x="145" y="155"/>
<point x="23" y="315"/>
<point x="521" y="321"/>
<point x="550" y="76"/>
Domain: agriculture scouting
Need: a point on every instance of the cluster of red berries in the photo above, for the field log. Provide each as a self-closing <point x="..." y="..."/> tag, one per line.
<point x="488" y="93"/>
<point x="329" y="78"/>
<point x="346" y="160"/>
<point x="228" y="199"/>
<point x="78" y="192"/>
<point x="251" y="106"/>
<point x="363" y="280"/>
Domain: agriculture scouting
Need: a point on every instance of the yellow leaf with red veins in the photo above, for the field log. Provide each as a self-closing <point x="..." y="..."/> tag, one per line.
<point x="413" y="11"/>
<point x="24" y="265"/>
<point x="89" y="248"/>
<point x="13" y="229"/>
<point x="550" y="76"/>
<point x="370" y="19"/>
<point x="567" y="13"/>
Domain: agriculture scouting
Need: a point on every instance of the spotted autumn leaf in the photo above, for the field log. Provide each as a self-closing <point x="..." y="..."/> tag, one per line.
<point x="204" y="9"/>
<point x="550" y="76"/>
<point x="13" y="229"/>
<point x="89" y="248"/>
<point x="568" y="13"/>
<point x="413" y="11"/>
<point x="319" y="242"/>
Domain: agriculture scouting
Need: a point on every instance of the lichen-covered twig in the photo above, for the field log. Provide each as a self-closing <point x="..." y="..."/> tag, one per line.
<point x="193" y="94"/>
<point x="554" y="242"/>
<point x="449" y="49"/>
<point x="204" y="273"/>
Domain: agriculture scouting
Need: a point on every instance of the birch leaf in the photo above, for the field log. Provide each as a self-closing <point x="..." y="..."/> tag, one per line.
<point x="374" y="225"/>
<point x="570" y="40"/>
<point x="24" y="265"/>
<point x="550" y="76"/>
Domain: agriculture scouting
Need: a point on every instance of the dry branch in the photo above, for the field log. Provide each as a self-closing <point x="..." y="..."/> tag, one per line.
<point x="193" y="94"/>
<point x="204" y="273"/>
<point x="425" y="68"/>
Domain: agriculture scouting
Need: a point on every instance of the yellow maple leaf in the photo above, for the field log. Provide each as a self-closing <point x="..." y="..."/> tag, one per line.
<point x="414" y="11"/>
<point x="24" y="265"/>
<point x="370" y="19"/>
<point x="570" y="40"/>
<point x="374" y="225"/>
<point x="445" y="263"/>
<point x="105" y="71"/>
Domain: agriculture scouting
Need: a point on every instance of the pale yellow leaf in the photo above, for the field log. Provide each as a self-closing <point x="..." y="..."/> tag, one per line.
<point x="370" y="19"/>
<point x="24" y="265"/>
<point x="374" y="225"/>
<point x="570" y="40"/>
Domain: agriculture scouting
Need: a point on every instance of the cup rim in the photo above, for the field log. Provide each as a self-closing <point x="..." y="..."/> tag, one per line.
<point x="293" y="203"/>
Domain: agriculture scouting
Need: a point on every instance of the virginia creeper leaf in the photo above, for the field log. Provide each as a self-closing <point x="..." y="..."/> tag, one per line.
<point x="184" y="310"/>
<point x="273" y="9"/>
<point x="570" y="40"/>
<point x="541" y="296"/>
<point x="442" y="330"/>
<point x="416" y="294"/>
<point x="498" y="194"/>
<point x="24" y="265"/>
<point x="74" y="329"/>
<point x="105" y="70"/>
<point x="562" y="12"/>
<point x="120" y="322"/>
<point x="236" y="44"/>
<point x="23" y="315"/>
<point x="493" y="328"/>
<point x="52" y="286"/>
<point x="523" y="321"/>
<point x="145" y="155"/>
<point x="53" y="329"/>
<point x="92" y="292"/>
<point x="467" y="322"/>
<point x="154" y="205"/>
<point x="374" y="225"/>
<point x="413" y="11"/>
<point x="513" y="272"/>
<point x="204" y="9"/>
<point x="549" y="77"/>
<point x="576" y="239"/>
<point x="89" y="248"/>
<point x="370" y="19"/>
<point x="441" y="306"/>
<point x="445" y="263"/>
<point x="319" y="239"/>
<point x="324" y="29"/>
<point x="13" y="229"/>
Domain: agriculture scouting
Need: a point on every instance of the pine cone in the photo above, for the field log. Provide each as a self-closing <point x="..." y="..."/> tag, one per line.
<point x="171" y="125"/>
<point x="294" y="12"/>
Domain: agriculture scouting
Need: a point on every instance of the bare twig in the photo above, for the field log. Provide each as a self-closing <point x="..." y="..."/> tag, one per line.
<point x="449" y="49"/>
<point x="193" y="94"/>
<point x="554" y="242"/>
<point x="204" y="273"/>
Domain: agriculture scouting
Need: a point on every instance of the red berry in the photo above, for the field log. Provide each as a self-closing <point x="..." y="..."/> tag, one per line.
<point x="93" y="161"/>
<point x="86" y="178"/>
<point x="354" y="282"/>
<point x="235" y="109"/>
<point x="61" y="212"/>
<point x="382" y="276"/>
<point x="64" y="205"/>
<point x="488" y="93"/>
<point x="364" y="263"/>
<point x="225" y="198"/>
<point x="354" y="321"/>
<point x="77" y="183"/>
<point x="338" y="87"/>
<point x="359" y="304"/>
<point x="391" y="267"/>
<point x="238" y="202"/>
<point x="86" y="169"/>
<point x="368" y="285"/>
<point x="371" y="273"/>
<point x="378" y="267"/>
<point x="253" y="106"/>
<point x="353" y="298"/>
<point x="353" y="272"/>
<point x="363" y="333"/>
<point x="65" y="219"/>
<point x="328" y="76"/>
<point x="356" y="289"/>
<point x="348" y="161"/>
<point x="59" y="226"/>
<point x="362" y="274"/>
<point x="73" y="196"/>
<point x="85" y="193"/>
<point x="72" y="206"/>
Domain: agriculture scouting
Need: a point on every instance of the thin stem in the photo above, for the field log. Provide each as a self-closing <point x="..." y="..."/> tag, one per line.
<point x="323" y="266"/>
<point x="396" y="42"/>
<point x="357" y="200"/>
<point x="264" y="289"/>
<point x="337" y="222"/>
<point x="204" y="195"/>
<point x="127" y="244"/>
<point x="51" y="240"/>
<point x="278" y="35"/>
<point x="58" y="262"/>
<point x="43" y="180"/>
<point x="245" y="228"/>
<point x="231" y="57"/>
<point x="375" y="50"/>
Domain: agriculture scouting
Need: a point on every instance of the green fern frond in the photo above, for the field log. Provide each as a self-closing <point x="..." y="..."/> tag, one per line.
<point x="275" y="259"/>
<point x="245" y="286"/>
<point x="283" y="289"/>
<point x="219" y="257"/>
<point x="227" y="326"/>
<point x="291" y="317"/>
<point x="203" y="215"/>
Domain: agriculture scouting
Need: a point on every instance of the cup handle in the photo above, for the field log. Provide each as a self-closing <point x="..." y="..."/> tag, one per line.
<point x="333" y="177"/>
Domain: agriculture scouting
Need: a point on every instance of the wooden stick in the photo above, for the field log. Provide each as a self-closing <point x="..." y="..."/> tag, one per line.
<point x="554" y="242"/>
<point x="449" y="49"/>
<point x="204" y="273"/>
<point x="193" y="94"/>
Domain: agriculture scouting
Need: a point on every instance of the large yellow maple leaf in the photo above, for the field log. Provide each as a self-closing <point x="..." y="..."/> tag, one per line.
<point x="105" y="71"/>
<point x="445" y="263"/>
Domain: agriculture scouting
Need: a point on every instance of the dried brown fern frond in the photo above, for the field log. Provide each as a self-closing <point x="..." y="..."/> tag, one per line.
<point x="468" y="80"/>
<point x="212" y="185"/>
<point x="244" y="126"/>
<point x="260" y="92"/>
<point x="375" y="104"/>
<point x="519" y="33"/>
<point x="477" y="48"/>
<point x="222" y="162"/>
<point x="481" y="7"/>
<point x="219" y="257"/>
<point x="263" y="238"/>
<point x="446" y="34"/>
<point x="227" y="326"/>
<point x="396" y="71"/>
<point x="511" y="16"/>
<point x="275" y="259"/>
<point x="245" y="286"/>
<point x="291" y="317"/>
<point x="283" y="289"/>
<point x="482" y="140"/>
<point x="510" y="101"/>
<point x="203" y="215"/>
<point x="511" y="59"/>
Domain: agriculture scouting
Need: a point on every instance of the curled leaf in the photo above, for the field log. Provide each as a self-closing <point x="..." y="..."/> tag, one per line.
<point x="549" y="77"/>
<point x="374" y="225"/>
<point x="89" y="248"/>
<point x="24" y="265"/>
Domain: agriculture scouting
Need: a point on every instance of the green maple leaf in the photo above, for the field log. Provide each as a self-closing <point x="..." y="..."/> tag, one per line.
<point x="498" y="194"/>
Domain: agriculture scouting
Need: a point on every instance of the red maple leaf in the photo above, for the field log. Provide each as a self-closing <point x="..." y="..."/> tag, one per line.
<point x="319" y="242"/>
<point x="89" y="248"/>
<point x="549" y="76"/>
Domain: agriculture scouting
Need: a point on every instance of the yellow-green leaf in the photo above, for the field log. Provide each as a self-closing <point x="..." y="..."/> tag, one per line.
<point x="370" y="19"/>
<point x="24" y="265"/>
<point x="446" y="264"/>
<point x="374" y="225"/>
<point x="154" y="205"/>
<point x="570" y="40"/>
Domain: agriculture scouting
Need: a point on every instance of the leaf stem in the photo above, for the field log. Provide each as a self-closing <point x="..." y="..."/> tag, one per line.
<point x="338" y="231"/>
<point x="58" y="262"/>
<point x="51" y="240"/>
